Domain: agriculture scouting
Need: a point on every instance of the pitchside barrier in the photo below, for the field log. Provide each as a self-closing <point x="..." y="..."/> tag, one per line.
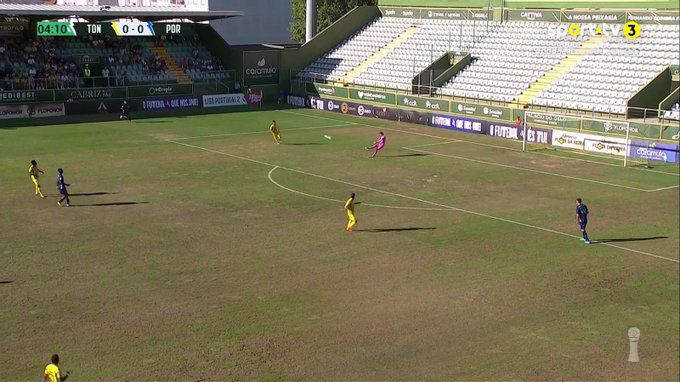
<point x="187" y="104"/>
<point x="668" y="132"/>
<point x="630" y="150"/>
<point x="36" y="110"/>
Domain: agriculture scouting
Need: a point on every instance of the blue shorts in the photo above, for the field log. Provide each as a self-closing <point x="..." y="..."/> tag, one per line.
<point x="583" y="223"/>
<point x="63" y="191"/>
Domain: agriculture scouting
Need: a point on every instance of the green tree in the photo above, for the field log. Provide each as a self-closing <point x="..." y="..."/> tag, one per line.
<point x="328" y="11"/>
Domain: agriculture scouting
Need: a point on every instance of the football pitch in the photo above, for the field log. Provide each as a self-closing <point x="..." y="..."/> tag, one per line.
<point x="196" y="248"/>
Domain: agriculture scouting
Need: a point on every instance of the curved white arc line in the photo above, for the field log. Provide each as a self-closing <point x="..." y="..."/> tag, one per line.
<point x="271" y="179"/>
<point x="443" y="206"/>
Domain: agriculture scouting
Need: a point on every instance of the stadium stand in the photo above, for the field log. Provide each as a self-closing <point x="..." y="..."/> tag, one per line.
<point x="502" y="71"/>
<point x="194" y="59"/>
<point x="334" y="65"/>
<point x="587" y="73"/>
<point x="130" y="61"/>
<point x="604" y="80"/>
<point x="38" y="63"/>
<point x="429" y="41"/>
<point x="50" y="63"/>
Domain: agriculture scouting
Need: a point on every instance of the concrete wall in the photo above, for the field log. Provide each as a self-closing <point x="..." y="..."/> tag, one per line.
<point x="651" y="94"/>
<point x="265" y="21"/>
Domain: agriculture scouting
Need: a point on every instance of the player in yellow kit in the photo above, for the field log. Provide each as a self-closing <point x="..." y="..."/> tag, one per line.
<point x="274" y="129"/>
<point x="35" y="172"/>
<point x="349" y="207"/>
<point x="52" y="373"/>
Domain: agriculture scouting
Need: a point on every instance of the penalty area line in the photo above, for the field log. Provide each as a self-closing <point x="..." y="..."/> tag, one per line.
<point x="436" y="204"/>
<point x="665" y="188"/>
<point x="527" y="169"/>
<point x="498" y="147"/>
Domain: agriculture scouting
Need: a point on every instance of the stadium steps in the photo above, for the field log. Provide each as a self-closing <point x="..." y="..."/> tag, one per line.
<point x="558" y="71"/>
<point x="173" y="67"/>
<point x="377" y="56"/>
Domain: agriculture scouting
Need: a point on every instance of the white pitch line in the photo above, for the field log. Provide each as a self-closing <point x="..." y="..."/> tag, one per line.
<point x="265" y="131"/>
<point x="527" y="169"/>
<point x="380" y="127"/>
<point x="665" y="188"/>
<point x="495" y="146"/>
<point x="271" y="179"/>
<point x="601" y="163"/>
<point x="420" y="200"/>
<point x="435" y="144"/>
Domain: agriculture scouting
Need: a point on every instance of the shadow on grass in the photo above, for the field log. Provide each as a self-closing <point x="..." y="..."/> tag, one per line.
<point x="93" y="193"/>
<point x="108" y="204"/>
<point x="380" y="230"/>
<point x="406" y="155"/>
<point x="630" y="239"/>
<point x="6" y="282"/>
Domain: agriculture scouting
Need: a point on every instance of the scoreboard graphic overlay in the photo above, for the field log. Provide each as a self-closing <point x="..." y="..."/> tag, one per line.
<point x="115" y="28"/>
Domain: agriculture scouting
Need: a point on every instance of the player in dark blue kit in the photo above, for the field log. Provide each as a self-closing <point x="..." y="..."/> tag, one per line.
<point x="582" y="219"/>
<point x="125" y="111"/>
<point x="61" y="186"/>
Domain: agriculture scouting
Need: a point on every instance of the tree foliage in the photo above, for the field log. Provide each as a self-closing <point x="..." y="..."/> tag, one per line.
<point x="328" y="11"/>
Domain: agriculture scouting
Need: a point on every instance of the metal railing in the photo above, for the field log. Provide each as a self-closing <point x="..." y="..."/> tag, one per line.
<point x="214" y="78"/>
<point x="426" y="91"/>
<point x="58" y="83"/>
<point x="216" y="81"/>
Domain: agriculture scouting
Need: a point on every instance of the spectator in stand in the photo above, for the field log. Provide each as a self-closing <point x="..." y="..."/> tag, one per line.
<point x="518" y="122"/>
<point x="19" y="80"/>
<point x="105" y="75"/>
<point x="87" y="73"/>
<point x="31" y="78"/>
<point x="63" y="81"/>
<point x="120" y="78"/>
<point x="237" y="86"/>
<point x="52" y="81"/>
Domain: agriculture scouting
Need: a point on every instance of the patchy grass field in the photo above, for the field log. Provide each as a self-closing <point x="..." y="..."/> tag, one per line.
<point x="198" y="249"/>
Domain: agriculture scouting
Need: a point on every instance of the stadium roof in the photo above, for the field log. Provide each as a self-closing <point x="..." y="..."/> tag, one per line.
<point x="106" y="12"/>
